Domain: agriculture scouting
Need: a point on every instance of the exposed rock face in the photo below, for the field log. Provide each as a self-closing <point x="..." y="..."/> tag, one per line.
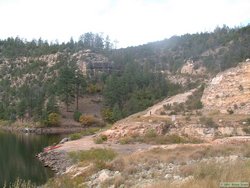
<point x="229" y="91"/>
<point x="123" y="129"/>
<point x="193" y="68"/>
<point x="89" y="63"/>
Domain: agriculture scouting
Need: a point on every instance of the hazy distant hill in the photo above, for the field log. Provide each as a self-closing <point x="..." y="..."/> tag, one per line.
<point x="217" y="50"/>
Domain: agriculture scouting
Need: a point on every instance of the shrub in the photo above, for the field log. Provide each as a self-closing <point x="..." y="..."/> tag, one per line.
<point x="247" y="121"/>
<point x="126" y="140"/>
<point x="173" y="139"/>
<point x="75" y="136"/>
<point x="163" y="113"/>
<point x="208" y="122"/>
<point x="77" y="115"/>
<point x="94" y="88"/>
<point x="198" y="105"/>
<point x="100" y="139"/>
<point x="4" y="123"/>
<point x="246" y="130"/>
<point x="230" y="111"/>
<point x="107" y="115"/>
<point x="87" y="120"/>
<point x="90" y="131"/>
<point x="241" y="88"/>
<point x="53" y="119"/>
<point x="167" y="107"/>
<point x="194" y="100"/>
<point x="188" y="118"/>
<point x="151" y="133"/>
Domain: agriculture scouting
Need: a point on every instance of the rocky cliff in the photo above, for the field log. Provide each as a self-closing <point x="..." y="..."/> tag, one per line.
<point x="229" y="91"/>
<point x="89" y="62"/>
<point x="193" y="68"/>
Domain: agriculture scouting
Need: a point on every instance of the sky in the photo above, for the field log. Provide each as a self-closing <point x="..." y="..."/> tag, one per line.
<point x="130" y="22"/>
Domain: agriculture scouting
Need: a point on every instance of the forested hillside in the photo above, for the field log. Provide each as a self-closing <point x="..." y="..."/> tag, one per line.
<point x="217" y="50"/>
<point x="37" y="76"/>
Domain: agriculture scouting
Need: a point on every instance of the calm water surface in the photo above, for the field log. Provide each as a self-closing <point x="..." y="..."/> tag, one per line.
<point x="17" y="157"/>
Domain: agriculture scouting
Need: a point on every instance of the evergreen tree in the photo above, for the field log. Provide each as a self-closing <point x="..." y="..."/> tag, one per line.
<point x="66" y="85"/>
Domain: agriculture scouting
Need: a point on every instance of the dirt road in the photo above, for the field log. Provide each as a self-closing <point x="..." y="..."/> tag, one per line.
<point x="87" y="143"/>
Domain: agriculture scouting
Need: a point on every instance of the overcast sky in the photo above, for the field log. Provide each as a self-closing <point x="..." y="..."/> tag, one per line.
<point x="131" y="22"/>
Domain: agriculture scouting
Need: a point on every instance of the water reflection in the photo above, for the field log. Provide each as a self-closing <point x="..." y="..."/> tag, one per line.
<point x="17" y="157"/>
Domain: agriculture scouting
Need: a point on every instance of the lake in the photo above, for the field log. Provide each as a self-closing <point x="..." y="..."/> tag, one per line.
<point x="17" y="157"/>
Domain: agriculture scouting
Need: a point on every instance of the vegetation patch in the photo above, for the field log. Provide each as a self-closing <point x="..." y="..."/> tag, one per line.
<point x="208" y="122"/>
<point x="90" y="120"/>
<point x="100" y="139"/>
<point x="209" y="175"/>
<point x="65" y="182"/>
<point x="151" y="137"/>
<point x="53" y="119"/>
<point x="93" y="155"/>
<point x="19" y="183"/>
<point x="246" y="130"/>
<point x="86" y="132"/>
<point x="193" y="103"/>
<point x="75" y="136"/>
<point x="77" y="116"/>
<point x="4" y="123"/>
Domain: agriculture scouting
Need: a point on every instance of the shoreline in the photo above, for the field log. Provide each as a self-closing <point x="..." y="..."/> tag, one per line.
<point x="42" y="130"/>
<point x="57" y="161"/>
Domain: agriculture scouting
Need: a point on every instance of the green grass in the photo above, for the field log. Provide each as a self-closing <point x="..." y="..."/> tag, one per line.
<point x="97" y="159"/>
<point x="100" y="139"/>
<point x="4" y="123"/>
<point x="19" y="183"/>
<point x="75" y="136"/>
<point x="90" y="131"/>
<point x="93" y="155"/>
<point x="151" y="137"/>
<point x="86" y="132"/>
<point x="65" y="182"/>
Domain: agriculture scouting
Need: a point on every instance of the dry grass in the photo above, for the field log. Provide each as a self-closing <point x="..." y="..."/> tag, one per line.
<point x="179" y="154"/>
<point x="209" y="175"/>
<point x="65" y="182"/>
<point x="205" y="174"/>
<point x="152" y="118"/>
<point x="151" y="137"/>
<point x="228" y="117"/>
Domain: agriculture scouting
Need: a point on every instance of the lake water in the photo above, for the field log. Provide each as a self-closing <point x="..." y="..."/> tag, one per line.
<point x="17" y="157"/>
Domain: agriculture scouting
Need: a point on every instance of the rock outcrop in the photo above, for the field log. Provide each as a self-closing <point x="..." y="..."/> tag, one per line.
<point x="229" y="91"/>
<point x="90" y="63"/>
<point x="193" y="68"/>
<point x="57" y="161"/>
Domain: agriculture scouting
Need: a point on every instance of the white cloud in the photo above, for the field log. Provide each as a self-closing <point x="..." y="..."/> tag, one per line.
<point x="131" y="22"/>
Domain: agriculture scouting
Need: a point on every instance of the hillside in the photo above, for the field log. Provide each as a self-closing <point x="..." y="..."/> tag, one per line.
<point x="220" y="110"/>
<point x="229" y="91"/>
<point x="217" y="51"/>
<point x="130" y="79"/>
<point x="177" y="142"/>
<point x="172" y="113"/>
